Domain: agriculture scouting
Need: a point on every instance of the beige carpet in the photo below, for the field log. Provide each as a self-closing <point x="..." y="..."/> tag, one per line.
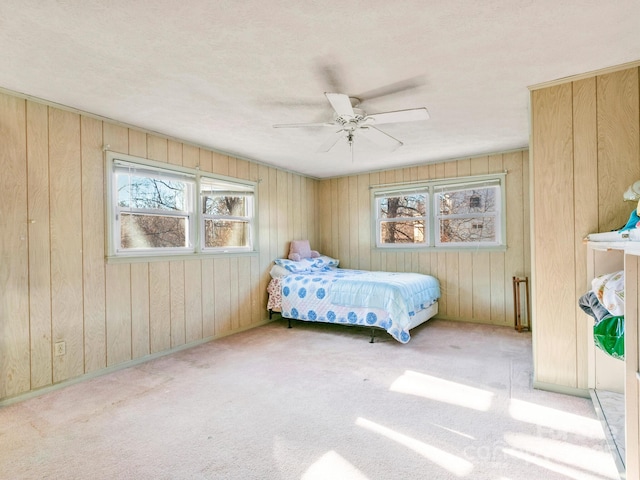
<point x="314" y="402"/>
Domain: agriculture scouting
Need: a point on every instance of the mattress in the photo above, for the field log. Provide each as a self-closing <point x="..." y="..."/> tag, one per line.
<point x="392" y="301"/>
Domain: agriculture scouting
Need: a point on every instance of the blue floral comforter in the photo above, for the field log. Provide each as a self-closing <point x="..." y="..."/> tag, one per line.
<point x="357" y="297"/>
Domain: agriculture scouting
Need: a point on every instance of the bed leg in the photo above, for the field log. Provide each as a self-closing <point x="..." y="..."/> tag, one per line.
<point x="373" y="334"/>
<point x="270" y="313"/>
<point x="289" y="322"/>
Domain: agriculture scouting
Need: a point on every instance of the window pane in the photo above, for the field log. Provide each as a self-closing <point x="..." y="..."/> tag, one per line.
<point x="478" y="229"/>
<point x="225" y="233"/>
<point x="403" y="206"/>
<point x="402" y="232"/>
<point x="463" y="202"/>
<point x="145" y="192"/>
<point x="152" y="231"/>
<point x="225" y="205"/>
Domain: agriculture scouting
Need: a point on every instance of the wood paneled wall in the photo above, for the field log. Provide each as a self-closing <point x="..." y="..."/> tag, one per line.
<point x="585" y="152"/>
<point x="54" y="282"/>
<point x="476" y="286"/>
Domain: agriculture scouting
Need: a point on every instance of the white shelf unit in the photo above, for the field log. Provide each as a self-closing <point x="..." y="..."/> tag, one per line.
<point x="605" y="372"/>
<point x="609" y="374"/>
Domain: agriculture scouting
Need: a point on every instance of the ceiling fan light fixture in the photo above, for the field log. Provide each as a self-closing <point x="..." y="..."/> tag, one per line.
<point x="352" y="119"/>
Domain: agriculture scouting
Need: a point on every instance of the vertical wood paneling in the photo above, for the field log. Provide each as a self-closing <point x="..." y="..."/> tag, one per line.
<point x="66" y="242"/>
<point x="585" y="187"/>
<point x="596" y="152"/>
<point x="517" y="226"/>
<point x="232" y="169"/>
<point x="243" y="273"/>
<point x="376" y="258"/>
<point x="476" y="286"/>
<point x="324" y="212"/>
<point x="14" y="255"/>
<point x="206" y="161"/>
<point x="554" y="281"/>
<point x="137" y="143"/>
<point x="118" y="313"/>
<point x="53" y="245"/>
<point x="222" y="296"/>
<point x="497" y="262"/>
<point x="343" y="221"/>
<point x="140" y="310"/>
<point x="295" y="205"/>
<point x="258" y="294"/>
<point x="139" y="275"/>
<point x="618" y="143"/>
<point x="176" y="286"/>
<point x="193" y="300"/>
<point x="334" y="246"/>
<point x="258" y="278"/>
<point x="157" y="148"/>
<point x="365" y="241"/>
<point x="174" y="152"/>
<point x="118" y="277"/>
<point x="234" y="306"/>
<point x="93" y="272"/>
<point x="190" y="156"/>
<point x="208" y="299"/>
<point x="354" y="236"/>
<point x="159" y="306"/>
<point x="282" y="215"/>
<point x="39" y="247"/>
<point x="264" y="233"/>
<point x="220" y="163"/>
<point x="272" y="226"/>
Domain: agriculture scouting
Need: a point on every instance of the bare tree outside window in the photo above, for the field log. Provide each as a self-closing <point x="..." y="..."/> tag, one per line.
<point x="152" y="212"/>
<point x="157" y="209"/>
<point x="403" y="218"/>
<point x="468" y="215"/>
<point x="230" y="228"/>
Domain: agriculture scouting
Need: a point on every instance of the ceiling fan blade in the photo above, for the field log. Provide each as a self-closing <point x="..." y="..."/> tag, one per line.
<point x="411" y="115"/>
<point x="296" y="125"/>
<point x="379" y="137"/>
<point x="341" y="103"/>
<point x="329" y="142"/>
<point x="397" y="87"/>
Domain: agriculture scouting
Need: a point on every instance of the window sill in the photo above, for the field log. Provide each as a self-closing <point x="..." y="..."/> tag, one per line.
<point x="175" y="257"/>
<point x="432" y="249"/>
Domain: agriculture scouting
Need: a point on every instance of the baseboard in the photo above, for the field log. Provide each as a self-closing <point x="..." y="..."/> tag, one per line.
<point x="121" y="366"/>
<point x="552" y="387"/>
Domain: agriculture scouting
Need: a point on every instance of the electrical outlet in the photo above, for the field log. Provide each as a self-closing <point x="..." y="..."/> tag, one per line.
<point x="60" y="348"/>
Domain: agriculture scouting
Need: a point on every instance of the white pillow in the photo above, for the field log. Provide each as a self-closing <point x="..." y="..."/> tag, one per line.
<point x="278" y="272"/>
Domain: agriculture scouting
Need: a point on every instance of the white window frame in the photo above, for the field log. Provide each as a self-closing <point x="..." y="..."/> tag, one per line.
<point x="195" y="217"/>
<point x="209" y="183"/>
<point x="381" y="196"/>
<point x="496" y="214"/>
<point x="432" y="223"/>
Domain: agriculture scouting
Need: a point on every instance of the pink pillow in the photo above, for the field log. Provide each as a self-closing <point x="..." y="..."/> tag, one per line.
<point x="299" y="249"/>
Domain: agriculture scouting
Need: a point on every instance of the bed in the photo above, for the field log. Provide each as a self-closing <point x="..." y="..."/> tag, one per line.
<point x="316" y="290"/>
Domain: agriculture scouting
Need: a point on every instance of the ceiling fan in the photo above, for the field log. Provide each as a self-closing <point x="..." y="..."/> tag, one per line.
<point x="351" y="121"/>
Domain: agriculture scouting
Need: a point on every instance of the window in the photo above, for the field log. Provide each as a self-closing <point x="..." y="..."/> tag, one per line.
<point x="468" y="214"/>
<point x="227" y="210"/>
<point x="158" y="209"/>
<point x="446" y="213"/>
<point x="402" y="218"/>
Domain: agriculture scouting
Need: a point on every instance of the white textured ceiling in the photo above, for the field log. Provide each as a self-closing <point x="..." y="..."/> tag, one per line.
<point x="219" y="73"/>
